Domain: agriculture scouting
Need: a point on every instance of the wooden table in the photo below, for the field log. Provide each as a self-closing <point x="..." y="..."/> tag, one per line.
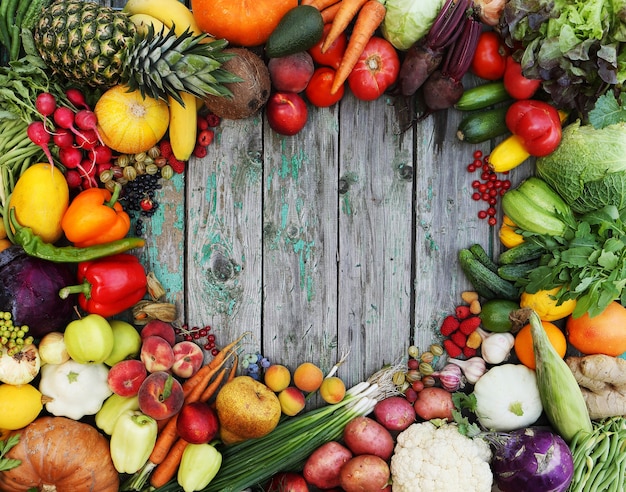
<point x="342" y="237"/>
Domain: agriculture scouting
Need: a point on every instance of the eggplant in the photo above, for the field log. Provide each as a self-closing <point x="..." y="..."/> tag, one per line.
<point x="30" y="291"/>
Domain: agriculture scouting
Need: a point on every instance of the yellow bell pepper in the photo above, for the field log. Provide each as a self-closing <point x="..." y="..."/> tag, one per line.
<point x="198" y="466"/>
<point x="132" y="440"/>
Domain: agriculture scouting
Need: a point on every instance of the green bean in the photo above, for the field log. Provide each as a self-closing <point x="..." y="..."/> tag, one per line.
<point x="4" y="26"/>
<point x="22" y="7"/>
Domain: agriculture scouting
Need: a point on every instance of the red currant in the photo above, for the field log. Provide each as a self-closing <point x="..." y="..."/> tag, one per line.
<point x="476" y="196"/>
<point x="478" y="154"/>
<point x="492" y="221"/>
<point x="482" y="214"/>
<point x="471" y="168"/>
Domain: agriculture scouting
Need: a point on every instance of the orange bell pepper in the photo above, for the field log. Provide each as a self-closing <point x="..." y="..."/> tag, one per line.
<point x="95" y="217"/>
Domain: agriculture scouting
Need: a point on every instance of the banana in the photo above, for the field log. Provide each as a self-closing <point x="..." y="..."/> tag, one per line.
<point x="169" y="12"/>
<point x="142" y="21"/>
<point x="183" y="126"/>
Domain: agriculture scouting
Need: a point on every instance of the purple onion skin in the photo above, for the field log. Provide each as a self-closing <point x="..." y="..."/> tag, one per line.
<point x="533" y="459"/>
<point x="30" y="291"/>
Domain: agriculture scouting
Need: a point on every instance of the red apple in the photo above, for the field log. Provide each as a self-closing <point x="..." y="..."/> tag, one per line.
<point x="188" y="358"/>
<point x="286" y="113"/>
<point x="287" y="482"/>
<point x="160" y="395"/>
<point x="126" y="377"/>
<point x="157" y="354"/>
<point x="197" y="423"/>
<point x="156" y="327"/>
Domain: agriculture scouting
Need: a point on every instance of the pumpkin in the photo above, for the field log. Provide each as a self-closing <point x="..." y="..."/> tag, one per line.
<point x="241" y="22"/>
<point x="129" y="122"/>
<point x="62" y="455"/>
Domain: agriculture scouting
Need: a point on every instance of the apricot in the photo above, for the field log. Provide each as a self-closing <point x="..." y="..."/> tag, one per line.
<point x="332" y="390"/>
<point x="291" y="400"/>
<point x="277" y="377"/>
<point x="308" y="377"/>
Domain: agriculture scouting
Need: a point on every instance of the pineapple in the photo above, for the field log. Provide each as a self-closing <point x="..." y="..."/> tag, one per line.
<point x="100" y="47"/>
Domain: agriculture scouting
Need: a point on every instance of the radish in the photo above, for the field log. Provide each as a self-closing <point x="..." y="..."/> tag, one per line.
<point x="63" y="138"/>
<point x="38" y="134"/>
<point x="86" y="120"/>
<point x="70" y="157"/>
<point x="87" y="140"/>
<point x="46" y="104"/>
<point x="101" y="154"/>
<point x="77" y="98"/>
<point x="73" y="178"/>
<point x="64" y="117"/>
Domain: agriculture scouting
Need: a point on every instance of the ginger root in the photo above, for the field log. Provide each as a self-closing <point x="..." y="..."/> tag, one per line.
<point x="602" y="380"/>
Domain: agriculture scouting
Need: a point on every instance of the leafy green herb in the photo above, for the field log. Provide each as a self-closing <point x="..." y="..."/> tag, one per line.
<point x="588" y="262"/>
<point x="607" y="111"/>
<point x="5" y="446"/>
<point x="465" y="404"/>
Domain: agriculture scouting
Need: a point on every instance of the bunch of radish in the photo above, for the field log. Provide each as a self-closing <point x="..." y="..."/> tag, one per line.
<point x="73" y="133"/>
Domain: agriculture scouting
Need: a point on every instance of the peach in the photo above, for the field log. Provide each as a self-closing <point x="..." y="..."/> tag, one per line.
<point x="277" y="377"/>
<point x="308" y="377"/>
<point x="197" y="423"/>
<point x="188" y="358"/>
<point x="160" y="395"/>
<point x="156" y="327"/>
<point x="291" y="400"/>
<point x="332" y="390"/>
<point x="291" y="73"/>
<point x="126" y="377"/>
<point x="157" y="354"/>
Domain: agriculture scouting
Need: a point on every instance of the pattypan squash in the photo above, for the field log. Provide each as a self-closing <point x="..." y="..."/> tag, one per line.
<point x="76" y="389"/>
<point x="507" y="398"/>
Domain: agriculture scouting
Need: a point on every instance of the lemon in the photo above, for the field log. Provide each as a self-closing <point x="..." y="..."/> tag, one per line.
<point x="19" y="405"/>
<point x="40" y="198"/>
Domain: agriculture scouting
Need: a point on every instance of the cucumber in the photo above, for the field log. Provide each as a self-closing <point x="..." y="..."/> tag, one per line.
<point x="482" y="96"/>
<point x="487" y="283"/>
<point x="481" y="255"/>
<point x="515" y="271"/>
<point x="300" y="28"/>
<point x="484" y="125"/>
<point x="521" y="253"/>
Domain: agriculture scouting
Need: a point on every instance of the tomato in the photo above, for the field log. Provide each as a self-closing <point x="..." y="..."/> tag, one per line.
<point x="318" y="89"/>
<point x="518" y="86"/>
<point x="537" y="123"/>
<point x="333" y="55"/>
<point x="375" y="71"/>
<point x="490" y="56"/>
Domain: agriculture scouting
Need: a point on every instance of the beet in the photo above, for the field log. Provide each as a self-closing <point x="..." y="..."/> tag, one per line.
<point x="30" y="291"/>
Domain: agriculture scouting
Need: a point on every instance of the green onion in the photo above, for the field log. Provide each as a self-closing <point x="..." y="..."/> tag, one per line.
<point x="287" y="447"/>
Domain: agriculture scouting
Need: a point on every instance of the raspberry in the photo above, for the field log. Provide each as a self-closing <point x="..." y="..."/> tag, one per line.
<point x="205" y="137"/>
<point x="469" y="351"/>
<point x="449" y="325"/>
<point x="177" y="166"/>
<point x="451" y="348"/>
<point x="202" y="123"/>
<point x="199" y="151"/>
<point x="468" y="325"/>
<point x="212" y="119"/>
<point x="462" y="312"/>
<point x="458" y="338"/>
<point x="166" y="148"/>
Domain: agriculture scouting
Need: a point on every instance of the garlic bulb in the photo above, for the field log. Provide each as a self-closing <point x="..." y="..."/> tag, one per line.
<point x="473" y="368"/>
<point x="21" y="367"/>
<point x="495" y="347"/>
<point x="450" y="377"/>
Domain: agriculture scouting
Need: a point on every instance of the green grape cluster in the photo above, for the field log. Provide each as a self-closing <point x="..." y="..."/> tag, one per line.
<point x="13" y="337"/>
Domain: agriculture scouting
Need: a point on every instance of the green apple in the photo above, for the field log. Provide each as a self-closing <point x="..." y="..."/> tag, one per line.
<point x="89" y="340"/>
<point x="127" y="342"/>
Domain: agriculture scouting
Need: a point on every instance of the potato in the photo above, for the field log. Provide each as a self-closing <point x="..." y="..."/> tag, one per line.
<point x="394" y="413"/>
<point x="434" y="403"/>
<point x="365" y="473"/>
<point x="364" y="435"/>
<point x="321" y="469"/>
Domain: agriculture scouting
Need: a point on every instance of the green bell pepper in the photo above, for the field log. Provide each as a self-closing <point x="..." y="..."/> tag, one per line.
<point x="132" y="440"/>
<point x="198" y="466"/>
<point x="114" y="406"/>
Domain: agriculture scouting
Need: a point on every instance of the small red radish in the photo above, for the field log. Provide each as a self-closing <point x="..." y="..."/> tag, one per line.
<point x="38" y="134"/>
<point x="65" y="117"/>
<point x="73" y="178"/>
<point x="87" y="120"/>
<point x="70" y="157"/>
<point x="101" y="154"/>
<point x="77" y="98"/>
<point x="46" y="104"/>
<point x="87" y="140"/>
<point x="63" y="138"/>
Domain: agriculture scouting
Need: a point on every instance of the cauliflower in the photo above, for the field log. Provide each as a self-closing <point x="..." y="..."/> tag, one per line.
<point x="433" y="458"/>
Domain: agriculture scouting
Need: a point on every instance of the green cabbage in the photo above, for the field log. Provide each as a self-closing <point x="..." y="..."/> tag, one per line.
<point x="588" y="169"/>
<point x="408" y="21"/>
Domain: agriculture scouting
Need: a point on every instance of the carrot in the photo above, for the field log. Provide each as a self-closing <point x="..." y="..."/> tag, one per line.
<point x="212" y="387"/>
<point x="329" y="13"/>
<point x="165" y="440"/>
<point x="322" y="4"/>
<point x="190" y="384"/>
<point x="233" y="369"/>
<point x="166" y="470"/>
<point x="368" y="20"/>
<point x="346" y="13"/>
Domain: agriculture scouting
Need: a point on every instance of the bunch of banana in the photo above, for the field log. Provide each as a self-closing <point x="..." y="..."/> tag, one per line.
<point x="171" y="14"/>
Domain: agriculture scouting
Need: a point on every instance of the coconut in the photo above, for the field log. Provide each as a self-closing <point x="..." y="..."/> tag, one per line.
<point x="249" y="95"/>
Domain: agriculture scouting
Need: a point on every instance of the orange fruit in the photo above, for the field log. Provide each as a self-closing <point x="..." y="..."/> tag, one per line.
<point x="601" y="334"/>
<point x="524" y="343"/>
<point x="308" y="377"/>
<point x="241" y="22"/>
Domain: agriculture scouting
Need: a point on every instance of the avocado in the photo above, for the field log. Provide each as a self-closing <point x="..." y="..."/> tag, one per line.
<point x="300" y="28"/>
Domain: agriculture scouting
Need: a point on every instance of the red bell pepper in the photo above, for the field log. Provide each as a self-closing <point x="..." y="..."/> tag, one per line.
<point x="537" y="124"/>
<point x="109" y="285"/>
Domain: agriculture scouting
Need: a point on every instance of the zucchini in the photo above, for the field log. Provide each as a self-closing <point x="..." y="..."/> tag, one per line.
<point x="515" y="271"/>
<point x="522" y="253"/>
<point x="484" y="125"/>
<point x="487" y="283"/>
<point x="482" y="96"/>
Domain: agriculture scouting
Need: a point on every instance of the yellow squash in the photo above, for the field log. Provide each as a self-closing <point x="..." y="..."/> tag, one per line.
<point x="545" y="304"/>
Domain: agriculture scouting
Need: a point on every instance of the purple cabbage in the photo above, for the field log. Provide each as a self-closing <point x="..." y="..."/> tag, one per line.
<point x="532" y="459"/>
<point x="30" y="291"/>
